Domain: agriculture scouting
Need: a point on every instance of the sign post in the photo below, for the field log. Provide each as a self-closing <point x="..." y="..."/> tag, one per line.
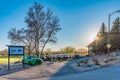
<point x="108" y="45"/>
<point x="16" y="51"/>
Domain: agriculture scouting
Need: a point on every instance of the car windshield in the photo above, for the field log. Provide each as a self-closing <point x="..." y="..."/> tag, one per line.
<point x="27" y="57"/>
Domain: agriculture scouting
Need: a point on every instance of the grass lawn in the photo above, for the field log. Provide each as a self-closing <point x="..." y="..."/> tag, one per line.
<point x="4" y="60"/>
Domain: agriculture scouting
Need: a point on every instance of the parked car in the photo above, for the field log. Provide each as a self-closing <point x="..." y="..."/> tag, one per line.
<point x="32" y="60"/>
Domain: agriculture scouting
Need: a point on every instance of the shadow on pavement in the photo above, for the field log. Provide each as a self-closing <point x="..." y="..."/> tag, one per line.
<point x="65" y="70"/>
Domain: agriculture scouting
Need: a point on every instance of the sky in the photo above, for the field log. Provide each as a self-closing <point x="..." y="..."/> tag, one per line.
<point x="80" y="20"/>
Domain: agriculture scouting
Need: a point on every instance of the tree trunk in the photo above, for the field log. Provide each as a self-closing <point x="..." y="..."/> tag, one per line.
<point x="43" y="48"/>
<point x="37" y="49"/>
<point x="29" y="52"/>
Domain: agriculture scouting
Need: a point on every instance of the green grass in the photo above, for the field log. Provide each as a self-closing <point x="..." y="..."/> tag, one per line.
<point x="4" y="59"/>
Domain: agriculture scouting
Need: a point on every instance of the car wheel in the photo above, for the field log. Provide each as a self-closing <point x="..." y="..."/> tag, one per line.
<point x="30" y="63"/>
<point x="39" y="62"/>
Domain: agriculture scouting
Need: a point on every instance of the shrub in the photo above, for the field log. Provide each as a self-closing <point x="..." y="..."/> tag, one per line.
<point x="78" y="64"/>
<point x="88" y="65"/>
<point x="96" y="62"/>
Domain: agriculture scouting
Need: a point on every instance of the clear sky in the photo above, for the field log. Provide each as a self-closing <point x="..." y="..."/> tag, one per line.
<point x="79" y="19"/>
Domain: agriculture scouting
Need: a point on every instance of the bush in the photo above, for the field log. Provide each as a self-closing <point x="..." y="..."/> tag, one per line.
<point x="78" y="64"/>
<point x="83" y="63"/>
<point x="96" y="62"/>
<point x="88" y="65"/>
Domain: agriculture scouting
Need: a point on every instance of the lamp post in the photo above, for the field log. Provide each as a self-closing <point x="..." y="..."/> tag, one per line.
<point x="108" y="45"/>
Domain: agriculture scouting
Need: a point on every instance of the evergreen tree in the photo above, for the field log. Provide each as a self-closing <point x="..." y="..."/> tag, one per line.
<point x="102" y="30"/>
<point x="102" y="39"/>
<point x="116" y="26"/>
<point x="114" y="36"/>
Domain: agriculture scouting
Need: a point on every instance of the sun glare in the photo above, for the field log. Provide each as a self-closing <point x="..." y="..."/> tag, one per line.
<point x="92" y="37"/>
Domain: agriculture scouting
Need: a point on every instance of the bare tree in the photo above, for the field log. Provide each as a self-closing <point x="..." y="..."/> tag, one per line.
<point x="21" y="36"/>
<point x="69" y="49"/>
<point x="42" y="27"/>
<point x="51" y="34"/>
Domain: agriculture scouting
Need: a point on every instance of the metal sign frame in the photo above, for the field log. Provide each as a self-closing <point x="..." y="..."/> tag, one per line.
<point x="16" y="52"/>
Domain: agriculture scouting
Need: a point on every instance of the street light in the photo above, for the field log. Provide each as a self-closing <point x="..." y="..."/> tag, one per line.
<point x="108" y="45"/>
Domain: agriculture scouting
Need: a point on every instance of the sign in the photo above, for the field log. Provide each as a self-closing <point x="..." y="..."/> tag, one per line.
<point x="108" y="45"/>
<point x="16" y="50"/>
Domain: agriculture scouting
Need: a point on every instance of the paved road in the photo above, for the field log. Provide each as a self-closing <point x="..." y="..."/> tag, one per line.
<point x="57" y="71"/>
